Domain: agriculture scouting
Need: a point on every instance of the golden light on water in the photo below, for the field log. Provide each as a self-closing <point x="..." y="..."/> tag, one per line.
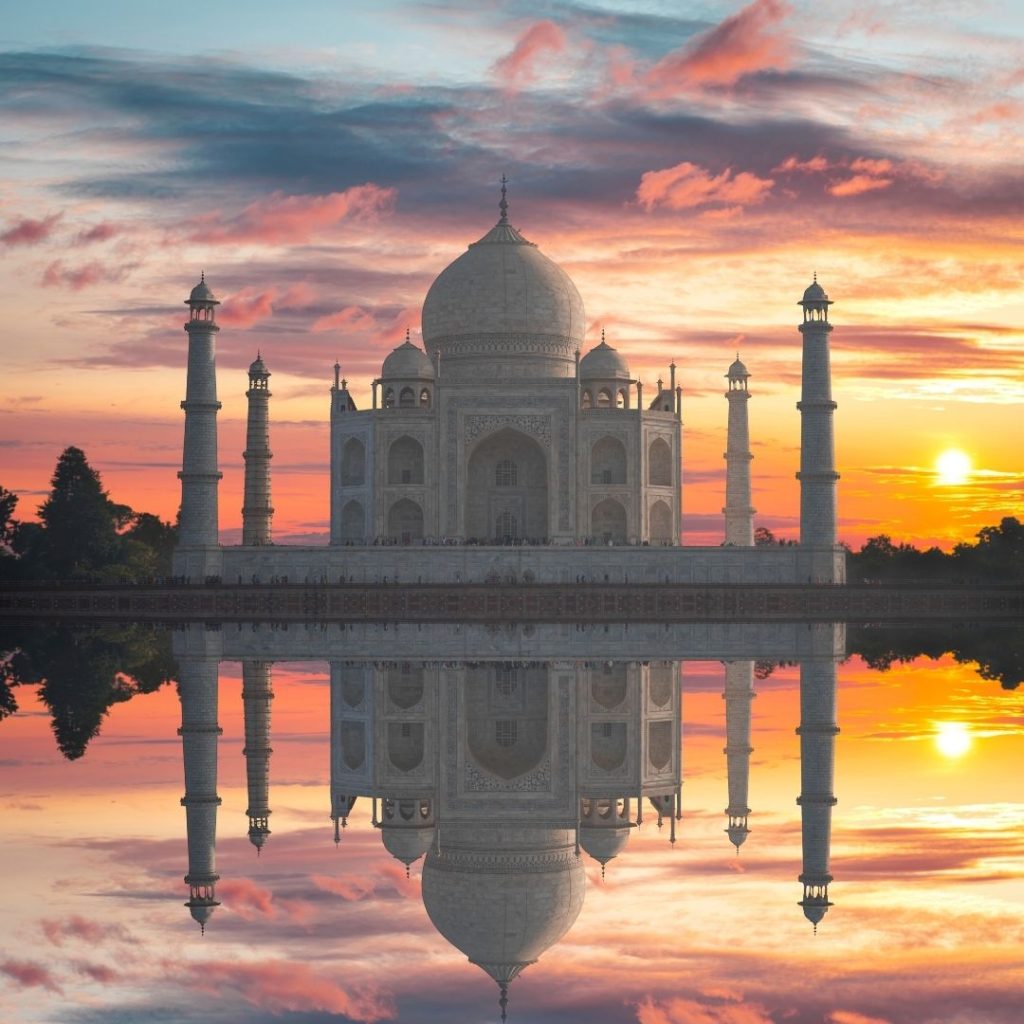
<point x="953" y="466"/>
<point x="952" y="739"/>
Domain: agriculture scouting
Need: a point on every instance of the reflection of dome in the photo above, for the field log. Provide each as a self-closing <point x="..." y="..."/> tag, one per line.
<point x="503" y="898"/>
<point x="202" y="293"/>
<point x="603" y="363"/>
<point x="408" y="844"/>
<point x="603" y="843"/>
<point x="737" y="835"/>
<point x="201" y="910"/>
<point x="408" y="361"/>
<point x="503" y="299"/>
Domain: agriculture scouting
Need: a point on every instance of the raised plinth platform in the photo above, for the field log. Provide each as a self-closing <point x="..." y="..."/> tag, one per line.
<point x="496" y="603"/>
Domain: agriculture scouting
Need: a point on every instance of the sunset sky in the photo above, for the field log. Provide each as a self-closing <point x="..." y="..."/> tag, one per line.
<point x="927" y="856"/>
<point x="689" y="164"/>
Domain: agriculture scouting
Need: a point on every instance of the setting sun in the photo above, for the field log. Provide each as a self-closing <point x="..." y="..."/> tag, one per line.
<point x="953" y="466"/>
<point x="953" y="739"/>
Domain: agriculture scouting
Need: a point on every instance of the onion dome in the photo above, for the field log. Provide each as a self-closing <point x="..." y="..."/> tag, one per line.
<point x="738" y="371"/>
<point x="737" y="835"/>
<point x="408" y="844"/>
<point x="814" y="293"/>
<point x="201" y="909"/>
<point x="504" y="302"/>
<point x="258" y="368"/>
<point x="815" y="908"/>
<point x="603" y="363"/>
<point x="202" y="293"/>
<point x="603" y="843"/>
<point x="407" y="362"/>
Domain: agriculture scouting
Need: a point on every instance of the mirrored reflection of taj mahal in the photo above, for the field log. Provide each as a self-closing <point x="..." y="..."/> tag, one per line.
<point x="497" y="775"/>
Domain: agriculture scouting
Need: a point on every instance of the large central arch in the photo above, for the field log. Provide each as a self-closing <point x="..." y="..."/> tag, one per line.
<point x="507" y="488"/>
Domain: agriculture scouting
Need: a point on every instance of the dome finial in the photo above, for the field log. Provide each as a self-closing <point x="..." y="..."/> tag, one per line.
<point x="602" y="336"/>
<point x="815" y="277"/>
<point x="202" y="276"/>
<point x="407" y="335"/>
<point x="602" y="872"/>
<point x="503" y="999"/>
<point x="503" y="205"/>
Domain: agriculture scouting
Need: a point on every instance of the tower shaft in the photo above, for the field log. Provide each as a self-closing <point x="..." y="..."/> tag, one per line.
<point x="197" y="553"/>
<point x="199" y="733"/>
<point x="818" y="730"/>
<point x="739" y="514"/>
<point x="256" y="507"/>
<point x="256" y="697"/>
<point x="739" y="693"/>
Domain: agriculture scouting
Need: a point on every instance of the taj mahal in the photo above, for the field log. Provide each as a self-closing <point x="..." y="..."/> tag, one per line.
<point x="501" y="452"/>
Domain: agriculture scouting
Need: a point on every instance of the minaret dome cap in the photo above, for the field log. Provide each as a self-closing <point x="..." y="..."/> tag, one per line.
<point x="258" y="368"/>
<point x="603" y="363"/>
<point x="738" y="371"/>
<point x="814" y="293"/>
<point x="202" y="293"/>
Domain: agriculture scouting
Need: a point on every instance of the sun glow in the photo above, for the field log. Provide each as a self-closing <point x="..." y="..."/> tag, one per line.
<point x="953" y="466"/>
<point x="953" y="739"/>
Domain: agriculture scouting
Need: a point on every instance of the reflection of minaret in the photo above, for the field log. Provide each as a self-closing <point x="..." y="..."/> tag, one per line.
<point x="739" y="692"/>
<point x="199" y="731"/>
<point x="256" y="510"/>
<point x="739" y="515"/>
<point x="817" y="733"/>
<point x="256" y="698"/>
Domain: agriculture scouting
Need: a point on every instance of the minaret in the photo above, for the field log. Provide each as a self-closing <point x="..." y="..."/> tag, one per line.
<point x="256" y="510"/>
<point x="739" y="692"/>
<point x="197" y="554"/>
<point x="817" y="474"/>
<point x="739" y="515"/>
<point x="197" y="686"/>
<point x="817" y="734"/>
<point x="256" y="698"/>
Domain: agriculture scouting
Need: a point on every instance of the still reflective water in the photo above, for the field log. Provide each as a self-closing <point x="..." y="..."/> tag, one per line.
<point x="390" y="832"/>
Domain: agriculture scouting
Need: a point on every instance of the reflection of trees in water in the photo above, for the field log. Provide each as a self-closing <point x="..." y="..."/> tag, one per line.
<point x="997" y="650"/>
<point x="81" y="673"/>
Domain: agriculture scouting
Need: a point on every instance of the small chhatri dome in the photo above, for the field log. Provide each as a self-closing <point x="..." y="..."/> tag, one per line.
<point x="738" y="371"/>
<point x="202" y="293"/>
<point x="604" y="843"/>
<point x="408" y="844"/>
<point x="603" y="363"/>
<point x="258" y="368"/>
<point x="815" y="293"/>
<point x="408" y="361"/>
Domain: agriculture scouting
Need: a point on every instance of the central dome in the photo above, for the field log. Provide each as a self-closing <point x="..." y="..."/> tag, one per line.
<point x="503" y="308"/>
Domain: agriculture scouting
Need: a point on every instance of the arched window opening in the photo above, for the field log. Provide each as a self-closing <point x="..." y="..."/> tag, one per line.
<point x="405" y="522"/>
<point x="405" y="745"/>
<point x="353" y="744"/>
<point x="389" y="398"/>
<point x="405" y="461"/>
<point x="604" y="399"/>
<point x="659" y="463"/>
<point x="661" y="523"/>
<point x="425" y="398"/>
<point x="659" y="744"/>
<point x="586" y="400"/>
<point x="353" y="519"/>
<point x="506" y="473"/>
<point x="506" y="526"/>
<point x="608" y="462"/>
<point x="620" y="399"/>
<point x="608" y="522"/>
<point x="506" y="680"/>
<point x="353" y="463"/>
<point x="407" y="398"/>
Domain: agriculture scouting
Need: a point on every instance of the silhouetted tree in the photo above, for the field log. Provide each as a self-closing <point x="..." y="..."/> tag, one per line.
<point x="763" y="536"/>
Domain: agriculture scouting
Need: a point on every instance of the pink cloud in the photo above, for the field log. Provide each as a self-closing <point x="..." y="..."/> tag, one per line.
<point x="282" y="220"/>
<point x="280" y="987"/>
<point x="689" y="1011"/>
<point x="688" y="185"/>
<point x="76" y="927"/>
<point x="748" y="41"/>
<point x="351" y="889"/>
<point x="858" y="185"/>
<point x="58" y="275"/>
<point x="850" y="1017"/>
<point x="97" y="233"/>
<point x="29" y="974"/>
<point x="350" y="318"/>
<point x="97" y="972"/>
<point x="247" y="307"/>
<point x="519" y="67"/>
<point x="28" y="232"/>
<point x="247" y="899"/>
<point x="815" y="165"/>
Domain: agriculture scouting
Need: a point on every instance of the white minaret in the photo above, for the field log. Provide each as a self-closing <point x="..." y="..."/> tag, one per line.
<point x="197" y="685"/>
<point x="739" y="515"/>
<point x="256" y="509"/>
<point x="198" y="554"/>
<point x="256" y="698"/>
<point x="817" y="474"/>
<point x="817" y="734"/>
<point x="739" y="692"/>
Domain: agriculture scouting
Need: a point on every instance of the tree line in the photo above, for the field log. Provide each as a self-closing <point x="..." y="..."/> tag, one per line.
<point x="82" y="535"/>
<point x="997" y="555"/>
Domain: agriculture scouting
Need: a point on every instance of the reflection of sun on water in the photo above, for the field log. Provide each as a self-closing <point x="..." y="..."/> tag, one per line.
<point x="953" y="466"/>
<point x="953" y="739"/>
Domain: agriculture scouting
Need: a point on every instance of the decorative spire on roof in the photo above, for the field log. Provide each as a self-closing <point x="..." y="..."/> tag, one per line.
<point x="202" y="277"/>
<point x="407" y="336"/>
<point x="503" y="999"/>
<point x="503" y="205"/>
<point x="602" y="336"/>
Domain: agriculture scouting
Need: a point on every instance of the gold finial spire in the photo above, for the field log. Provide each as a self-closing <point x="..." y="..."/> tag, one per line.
<point x="602" y="335"/>
<point x="407" y="335"/>
<point x="503" y="205"/>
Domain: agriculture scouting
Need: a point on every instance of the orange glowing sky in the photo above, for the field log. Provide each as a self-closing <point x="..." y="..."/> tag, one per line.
<point x="689" y="165"/>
